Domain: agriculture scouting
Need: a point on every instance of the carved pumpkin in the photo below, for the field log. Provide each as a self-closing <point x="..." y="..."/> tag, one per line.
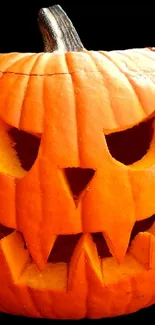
<point x="77" y="175"/>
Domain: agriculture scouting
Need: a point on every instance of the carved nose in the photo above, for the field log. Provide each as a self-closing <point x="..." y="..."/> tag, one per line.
<point x="78" y="180"/>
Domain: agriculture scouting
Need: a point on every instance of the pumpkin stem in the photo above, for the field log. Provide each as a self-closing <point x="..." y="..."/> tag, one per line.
<point x="58" y="31"/>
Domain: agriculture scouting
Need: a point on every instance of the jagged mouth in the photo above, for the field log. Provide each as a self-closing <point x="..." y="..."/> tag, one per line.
<point x="64" y="245"/>
<point x="24" y="270"/>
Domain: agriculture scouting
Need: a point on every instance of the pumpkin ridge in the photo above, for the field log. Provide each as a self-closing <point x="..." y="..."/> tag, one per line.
<point x="38" y="310"/>
<point x="23" y="61"/>
<point x="118" y="98"/>
<point x="39" y="171"/>
<point x="15" y="83"/>
<point x="146" y="54"/>
<point x="26" y="88"/>
<point x="75" y="106"/>
<point x="41" y="221"/>
<point x="16" y="57"/>
<point x="130" y="82"/>
<point x="143" y="52"/>
<point x="105" y="81"/>
<point x="137" y="87"/>
<point x="127" y="56"/>
<point x="143" y="72"/>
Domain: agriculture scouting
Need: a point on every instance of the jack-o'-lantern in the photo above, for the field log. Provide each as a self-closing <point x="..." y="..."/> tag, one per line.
<point x="77" y="175"/>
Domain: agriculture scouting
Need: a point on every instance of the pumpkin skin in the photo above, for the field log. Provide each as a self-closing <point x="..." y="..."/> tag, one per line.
<point x="70" y="102"/>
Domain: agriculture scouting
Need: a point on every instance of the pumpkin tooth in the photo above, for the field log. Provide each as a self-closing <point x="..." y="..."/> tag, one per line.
<point x="41" y="252"/>
<point x="117" y="242"/>
<point x="47" y="246"/>
<point x="16" y="256"/>
<point x="143" y="249"/>
<point x="85" y="265"/>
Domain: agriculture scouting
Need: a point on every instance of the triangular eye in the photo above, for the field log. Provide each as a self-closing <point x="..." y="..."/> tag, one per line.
<point x="26" y="146"/>
<point x="78" y="179"/>
<point x="132" y="144"/>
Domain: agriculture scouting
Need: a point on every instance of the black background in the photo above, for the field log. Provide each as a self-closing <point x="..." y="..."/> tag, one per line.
<point x="101" y="26"/>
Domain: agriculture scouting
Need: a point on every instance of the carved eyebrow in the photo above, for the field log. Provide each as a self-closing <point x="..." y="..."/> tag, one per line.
<point x="129" y="126"/>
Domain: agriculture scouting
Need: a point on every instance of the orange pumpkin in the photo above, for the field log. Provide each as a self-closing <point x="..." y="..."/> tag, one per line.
<point x="77" y="175"/>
